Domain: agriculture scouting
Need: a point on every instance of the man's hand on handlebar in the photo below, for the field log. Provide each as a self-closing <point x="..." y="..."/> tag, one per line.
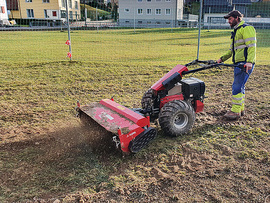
<point x="219" y="61"/>
<point x="248" y="66"/>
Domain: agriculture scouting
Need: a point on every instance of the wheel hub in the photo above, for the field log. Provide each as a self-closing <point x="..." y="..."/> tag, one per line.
<point x="180" y="120"/>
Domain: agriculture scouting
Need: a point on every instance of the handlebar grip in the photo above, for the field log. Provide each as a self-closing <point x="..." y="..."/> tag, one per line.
<point x="243" y="67"/>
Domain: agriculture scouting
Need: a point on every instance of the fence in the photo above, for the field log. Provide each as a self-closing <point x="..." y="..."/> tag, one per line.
<point x="177" y="15"/>
<point x="133" y="15"/>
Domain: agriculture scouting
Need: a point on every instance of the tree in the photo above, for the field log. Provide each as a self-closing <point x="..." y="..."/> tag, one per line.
<point x="115" y="12"/>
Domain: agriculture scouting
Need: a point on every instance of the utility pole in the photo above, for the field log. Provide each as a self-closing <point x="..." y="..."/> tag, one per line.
<point x="85" y="13"/>
<point x="199" y="34"/>
<point x="69" y="38"/>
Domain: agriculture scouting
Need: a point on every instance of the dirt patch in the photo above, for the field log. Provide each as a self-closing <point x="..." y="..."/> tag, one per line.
<point x="220" y="169"/>
<point x="193" y="177"/>
<point x="57" y="161"/>
<point x="219" y="161"/>
<point x="66" y="137"/>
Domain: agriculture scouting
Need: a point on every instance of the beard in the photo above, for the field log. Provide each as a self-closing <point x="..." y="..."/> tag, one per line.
<point x="234" y="23"/>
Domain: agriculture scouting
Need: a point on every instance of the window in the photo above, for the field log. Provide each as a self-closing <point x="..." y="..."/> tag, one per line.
<point x="54" y="13"/>
<point x="63" y="14"/>
<point x="158" y="11"/>
<point x="139" y="0"/>
<point x="76" y="4"/>
<point x="139" y="22"/>
<point x="149" y="11"/>
<point x="30" y="13"/>
<point x="168" y="11"/>
<point x="140" y="11"/>
<point x="64" y="3"/>
<point x="168" y="0"/>
<point x="127" y="21"/>
<point x="127" y="10"/>
<point x="46" y="1"/>
<point x="2" y="10"/>
<point x="71" y="15"/>
<point x="70" y="3"/>
<point x="149" y="0"/>
<point x="28" y="1"/>
<point x="46" y="13"/>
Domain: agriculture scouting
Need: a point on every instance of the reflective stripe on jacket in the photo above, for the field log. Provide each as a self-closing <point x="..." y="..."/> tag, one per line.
<point x="243" y="47"/>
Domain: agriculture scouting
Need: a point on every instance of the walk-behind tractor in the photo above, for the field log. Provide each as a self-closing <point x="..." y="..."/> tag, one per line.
<point x="172" y="100"/>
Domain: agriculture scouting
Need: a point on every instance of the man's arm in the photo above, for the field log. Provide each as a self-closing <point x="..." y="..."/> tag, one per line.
<point x="249" y="36"/>
<point x="225" y="57"/>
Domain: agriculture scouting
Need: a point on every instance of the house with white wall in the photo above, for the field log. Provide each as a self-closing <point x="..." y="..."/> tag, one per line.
<point x="3" y="13"/>
<point x="150" y="13"/>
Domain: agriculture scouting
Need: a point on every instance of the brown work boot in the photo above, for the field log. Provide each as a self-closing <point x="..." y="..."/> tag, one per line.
<point x="232" y="115"/>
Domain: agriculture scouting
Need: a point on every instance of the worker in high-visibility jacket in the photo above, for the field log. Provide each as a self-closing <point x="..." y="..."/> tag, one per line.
<point x="243" y="50"/>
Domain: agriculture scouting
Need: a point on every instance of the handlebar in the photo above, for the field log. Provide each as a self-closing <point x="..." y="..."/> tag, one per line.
<point x="196" y="61"/>
<point x="211" y="64"/>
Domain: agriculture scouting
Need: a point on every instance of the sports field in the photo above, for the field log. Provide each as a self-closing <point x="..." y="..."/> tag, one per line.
<point x="45" y="154"/>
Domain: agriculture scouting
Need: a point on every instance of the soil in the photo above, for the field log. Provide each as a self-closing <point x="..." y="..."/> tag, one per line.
<point x="192" y="176"/>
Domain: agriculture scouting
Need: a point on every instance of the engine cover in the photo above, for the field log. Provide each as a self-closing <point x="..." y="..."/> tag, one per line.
<point x="193" y="88"/>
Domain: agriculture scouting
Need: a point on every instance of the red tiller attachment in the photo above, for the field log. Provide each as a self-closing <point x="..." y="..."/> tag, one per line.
<point x="131" y="129"/>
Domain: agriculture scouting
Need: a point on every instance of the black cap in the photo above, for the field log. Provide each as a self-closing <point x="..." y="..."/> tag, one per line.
<point x="234" y="13"/>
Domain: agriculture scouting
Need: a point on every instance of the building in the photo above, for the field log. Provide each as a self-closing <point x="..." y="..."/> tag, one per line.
<point x="217" y="21"/>
<point x="241" y="5"/>
<point x="150" y="13"/>
<point x="3" y="13"/>
<point x="43" y="10"/>
<point x="225" y="6"/>
<point x="255" y="12"/>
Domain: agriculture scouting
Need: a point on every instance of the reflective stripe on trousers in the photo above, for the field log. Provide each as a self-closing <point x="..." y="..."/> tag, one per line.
<point x="238" y="89"/>
<point x="238" y="103"/>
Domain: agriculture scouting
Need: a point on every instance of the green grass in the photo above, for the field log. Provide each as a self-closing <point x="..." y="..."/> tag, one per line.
<point x="39" y="88"/>
<point x="36" y="74"/>
<point x="165" y="46"/>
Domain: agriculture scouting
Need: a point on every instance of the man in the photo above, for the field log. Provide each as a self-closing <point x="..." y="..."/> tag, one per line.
<point x="243" y="50"/>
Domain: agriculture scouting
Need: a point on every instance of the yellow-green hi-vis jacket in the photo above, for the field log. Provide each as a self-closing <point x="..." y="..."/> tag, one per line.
<point x="243" y="47"/>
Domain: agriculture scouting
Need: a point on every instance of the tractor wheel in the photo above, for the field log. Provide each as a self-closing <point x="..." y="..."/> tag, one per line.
<point x="148" y="99"/>
<point x="176" y="118"/>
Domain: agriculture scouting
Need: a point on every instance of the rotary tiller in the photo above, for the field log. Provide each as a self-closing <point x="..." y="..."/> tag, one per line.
<point x="172" y="100"/>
